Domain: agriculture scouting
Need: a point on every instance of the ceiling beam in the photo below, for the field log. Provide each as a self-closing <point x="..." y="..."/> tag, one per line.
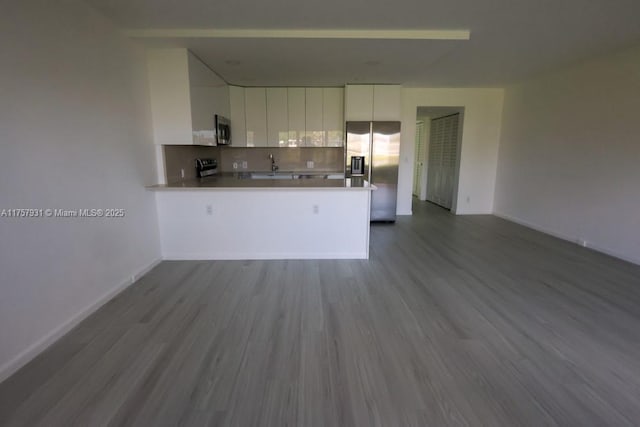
<point x="301" y="34"/>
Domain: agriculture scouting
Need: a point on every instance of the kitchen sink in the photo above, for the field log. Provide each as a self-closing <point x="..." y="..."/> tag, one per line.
<point x="293" y="175"/>
<point x="272" y="176"/>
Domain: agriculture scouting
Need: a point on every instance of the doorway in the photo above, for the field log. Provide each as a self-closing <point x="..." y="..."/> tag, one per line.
<point x="419" y="170"/>
<point x="437" y="159"/>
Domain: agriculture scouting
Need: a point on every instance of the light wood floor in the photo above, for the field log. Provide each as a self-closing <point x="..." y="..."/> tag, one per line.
<point x="453" y="321"/>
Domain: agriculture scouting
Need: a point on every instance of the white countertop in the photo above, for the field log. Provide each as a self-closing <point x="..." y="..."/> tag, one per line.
<point x="226" y="182"/>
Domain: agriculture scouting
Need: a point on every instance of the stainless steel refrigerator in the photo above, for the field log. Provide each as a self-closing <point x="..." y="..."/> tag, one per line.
<point x="379" y="143"/>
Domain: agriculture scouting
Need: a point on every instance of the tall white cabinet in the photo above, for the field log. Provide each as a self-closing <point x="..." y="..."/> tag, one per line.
<point x="297" y="116"/>
<point x="255" y="104"/>
<point x="314" y="131"/>
<point x="333" y="116"/>
<point x="185" y="95"/>
<point x="277" y="117"/>
<point x="238" y="116"/>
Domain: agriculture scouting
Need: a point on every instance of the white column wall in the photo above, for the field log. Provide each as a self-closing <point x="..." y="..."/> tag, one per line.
<point x="75" y="133"/>
<point x="479" y="151"/>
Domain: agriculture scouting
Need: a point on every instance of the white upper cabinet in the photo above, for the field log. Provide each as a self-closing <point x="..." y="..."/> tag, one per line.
<point x="358" y="101"/>
<point x="372" y="102"/>
<point x="277" y="117"/>
<point x="168" y="74"/>
<point x="386" y="102"/>
<point x="255" y="99"/>
<point x="237" y="116"/>
<point x="296" y="113"/>
<point x="185" y="95"/>
<point x="333" y="116"/>
<point x="314" y="131"/>
<point x="209" y="96"/>
<point x="287" y="117"/>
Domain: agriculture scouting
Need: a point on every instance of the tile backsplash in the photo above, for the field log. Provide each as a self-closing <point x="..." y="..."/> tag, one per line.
<point x="182" y="157"/>
<point x="329" y="159"/>
<point x="177" y="157"/>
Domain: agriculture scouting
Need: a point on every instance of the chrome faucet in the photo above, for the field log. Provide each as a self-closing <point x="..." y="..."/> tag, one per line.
<point x="274" y="167"/>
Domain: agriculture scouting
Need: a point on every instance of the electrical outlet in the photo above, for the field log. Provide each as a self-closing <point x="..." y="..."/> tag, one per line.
<point x="181" y="173"/>
<point x="309" y="164"/>
<point x="235" y="165"/>
<point x="244" y="164"/>
<point x="209" y="210"/>
<point x="316" y="209"/>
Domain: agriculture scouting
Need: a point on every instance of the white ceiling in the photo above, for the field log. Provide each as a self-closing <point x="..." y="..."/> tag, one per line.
<point x="510" y="39"/>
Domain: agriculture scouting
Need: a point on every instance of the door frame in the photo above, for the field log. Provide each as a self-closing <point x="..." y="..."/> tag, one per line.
<point x="434" y="112"/>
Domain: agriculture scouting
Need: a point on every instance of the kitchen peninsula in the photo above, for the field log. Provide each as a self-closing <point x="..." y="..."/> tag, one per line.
<point x="235" y="217"/>
<point x="238" y="214"/>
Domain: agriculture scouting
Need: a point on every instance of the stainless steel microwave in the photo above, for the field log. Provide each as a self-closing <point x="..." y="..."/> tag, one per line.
<point x="223" y="130"/>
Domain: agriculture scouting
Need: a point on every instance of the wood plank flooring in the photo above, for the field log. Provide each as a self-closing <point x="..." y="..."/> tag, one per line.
<point x="453" y="321"/>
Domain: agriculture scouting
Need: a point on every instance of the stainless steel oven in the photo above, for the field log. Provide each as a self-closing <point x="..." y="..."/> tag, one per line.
<point x="206" y="167"/>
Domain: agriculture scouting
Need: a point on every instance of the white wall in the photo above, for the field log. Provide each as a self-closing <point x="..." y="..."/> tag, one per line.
<point x="569" y="159"/>
<point x="480" y="140"/>
<point x="75" y="133"/>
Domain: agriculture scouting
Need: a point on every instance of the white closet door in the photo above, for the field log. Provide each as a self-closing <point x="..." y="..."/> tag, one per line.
<point x="435" y="160"/>
<point x="443" y="155"/>
<point x="449" y="156"/>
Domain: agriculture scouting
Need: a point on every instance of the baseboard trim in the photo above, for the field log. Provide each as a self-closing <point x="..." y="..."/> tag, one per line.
<point x="236" y="256"/>
<point x="27" y="355"/>
<point x="572" y="239"/>
<point x="463" y="212"/>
